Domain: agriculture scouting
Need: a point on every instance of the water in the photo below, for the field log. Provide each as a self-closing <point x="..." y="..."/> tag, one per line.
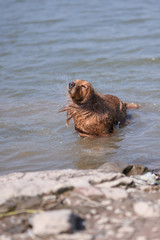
<point x="44" y="44"/>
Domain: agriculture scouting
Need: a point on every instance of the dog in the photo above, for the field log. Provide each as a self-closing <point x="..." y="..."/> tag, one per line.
<point x="94" y="114"/>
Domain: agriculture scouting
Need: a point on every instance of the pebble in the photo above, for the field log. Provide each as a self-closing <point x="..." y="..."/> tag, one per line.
<point x="53" y="222"/>
<point x="88" y="191"/>
<point x="88" y="216"/>
<point x="102" y="221"/>
<point x="115" y="193"/>
<point x="109" y="208"/>
<point x="106" y="202"/>
<point x="117" y="211"/>
<point x="119" y="235"/>
<point x="128" y="214"/>
<point x="146" y="209"/>
<point x="126" y="229"/>
<point x="141" y="238"/>
<point x="155" y="229"/>
<point x="93" y="211"/>
<point x="110" y="232"/>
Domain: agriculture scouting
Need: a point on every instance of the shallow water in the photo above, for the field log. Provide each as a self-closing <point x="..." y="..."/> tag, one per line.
<point x="115" y="45"/>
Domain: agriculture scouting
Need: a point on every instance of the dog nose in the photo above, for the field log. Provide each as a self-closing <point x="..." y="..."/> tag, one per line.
<point x="71" y="85"/>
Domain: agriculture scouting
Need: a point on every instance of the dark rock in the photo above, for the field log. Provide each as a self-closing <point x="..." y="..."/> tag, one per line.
<point x="134" y="170"/>
<point x="128" y="170"/>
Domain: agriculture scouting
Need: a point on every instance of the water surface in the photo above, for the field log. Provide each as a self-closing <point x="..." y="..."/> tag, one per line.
<point x="115" y="45"/>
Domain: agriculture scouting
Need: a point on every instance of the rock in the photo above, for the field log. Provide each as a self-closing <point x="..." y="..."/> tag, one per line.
<point x="146" y="209"/>
<point x="141" y="238"/>
<point x="114" y="193"/>
<point x="89" y="191"/>
<point x="128" y="170"/>
<point x="126" y="229"/>
<point x="113" y="167"/>
<point x="134" y="170"/>
<point x="124" y="181"/>
<point x="53" y="222"/>
<point x="107" y="177"/>
<point x="13" y="192"/>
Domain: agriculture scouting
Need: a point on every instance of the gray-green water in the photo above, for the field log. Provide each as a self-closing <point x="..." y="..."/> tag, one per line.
<point x="44" y="44"/>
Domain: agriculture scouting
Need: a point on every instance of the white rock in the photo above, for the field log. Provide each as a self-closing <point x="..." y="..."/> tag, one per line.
<point x="117" y="211"/>
<point x="114" y="193"/>
<point x="146" y="209"/>
<point x="74" y="236"/>
<point x="103" y="220"/>
<point x="141" y="238"/>
<point x="128" y="214"/>
<point x="89" y="191"/>
<point x="109" y="208"/>
<point x="104" y="177"/>
<point x="22" y="188"/>
<point x="4" y="237"/>
<point x="126" y="229"/>
<point x="110" y="232"/>
<point x="53" y="222"/>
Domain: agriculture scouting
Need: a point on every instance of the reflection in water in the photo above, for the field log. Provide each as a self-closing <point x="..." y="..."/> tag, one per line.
<point x="93" y="152"/>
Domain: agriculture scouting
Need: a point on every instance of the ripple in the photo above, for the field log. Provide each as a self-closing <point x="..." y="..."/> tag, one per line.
<point x="44" y="21"/>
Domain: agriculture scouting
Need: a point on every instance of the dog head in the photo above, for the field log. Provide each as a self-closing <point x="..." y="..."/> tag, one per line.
<point x="80" y="91"/>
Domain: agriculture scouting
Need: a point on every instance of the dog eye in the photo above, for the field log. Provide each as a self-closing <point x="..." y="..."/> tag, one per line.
<point x="83" y="86"/>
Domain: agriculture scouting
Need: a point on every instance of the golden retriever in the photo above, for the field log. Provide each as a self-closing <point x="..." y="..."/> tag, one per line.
<point x="94" y="114"/>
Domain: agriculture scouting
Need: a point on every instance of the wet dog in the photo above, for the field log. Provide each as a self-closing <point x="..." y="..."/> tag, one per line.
<point x="94" y="114"/>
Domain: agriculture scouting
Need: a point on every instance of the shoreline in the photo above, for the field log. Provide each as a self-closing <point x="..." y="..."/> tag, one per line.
<point x="80" y="204"/>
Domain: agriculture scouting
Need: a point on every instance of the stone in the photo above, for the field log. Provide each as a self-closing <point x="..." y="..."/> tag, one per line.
<point x="21" y="189"/>
<point x="116" y="167"/>
<point x="126" y="229"/>
<point x="110" y="232"/>
<point x="114" y="193"/>
<point x="128" y="214"/>
<point x="146" y="209"/>
<point x="74" y="236"/>
<point x="107" y="177"/>
<point x="89" y="191"/>
<point x="128" y="170"/>
<point x="118" y="211"/>
<point x="3" y="237"/>
<point x="53" y="222"/>
<point x="109" y="208"/>
<point x="103" y="220"/>
<point x="141" y="238"/>
<point x="123" y="181"/>
<point x="134" y="170"/>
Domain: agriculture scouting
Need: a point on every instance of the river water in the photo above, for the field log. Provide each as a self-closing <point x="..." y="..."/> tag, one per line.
<point x="45" y="44"/>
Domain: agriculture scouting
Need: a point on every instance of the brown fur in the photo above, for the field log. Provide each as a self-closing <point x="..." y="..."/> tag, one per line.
<point x="94" y="114"/>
